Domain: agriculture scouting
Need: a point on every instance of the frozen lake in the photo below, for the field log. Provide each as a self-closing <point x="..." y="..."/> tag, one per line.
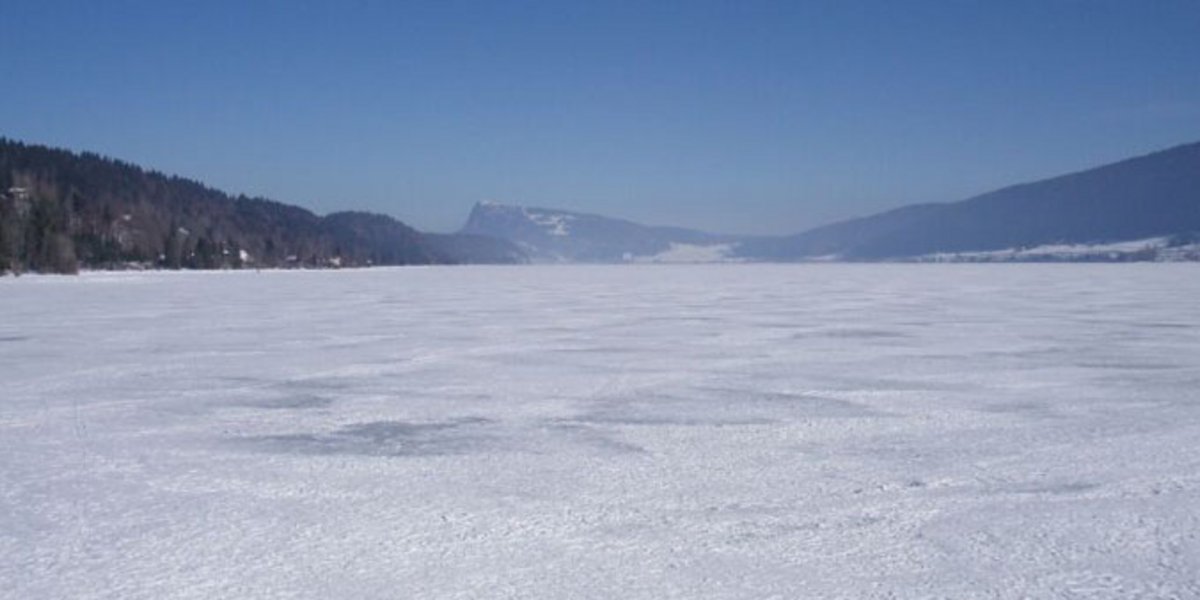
<point x="858" y="431"/>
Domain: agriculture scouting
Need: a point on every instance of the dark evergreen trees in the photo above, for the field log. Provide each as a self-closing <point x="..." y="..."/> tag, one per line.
<point x="61" y="210"/>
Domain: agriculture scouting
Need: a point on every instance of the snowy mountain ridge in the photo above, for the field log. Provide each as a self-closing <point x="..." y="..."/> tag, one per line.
<point x="1145" y="208"/>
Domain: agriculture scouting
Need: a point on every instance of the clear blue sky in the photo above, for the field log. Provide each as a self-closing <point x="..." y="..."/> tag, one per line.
<point x="762" y="117"/>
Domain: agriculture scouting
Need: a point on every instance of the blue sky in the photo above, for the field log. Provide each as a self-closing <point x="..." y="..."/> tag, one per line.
<point x="760" y="117"/>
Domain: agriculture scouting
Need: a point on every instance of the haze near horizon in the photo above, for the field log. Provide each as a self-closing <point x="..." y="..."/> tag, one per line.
<point x="735" y="117"/>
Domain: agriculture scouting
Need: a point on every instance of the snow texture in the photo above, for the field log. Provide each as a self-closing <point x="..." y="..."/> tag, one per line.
<point x="716" y="431"/>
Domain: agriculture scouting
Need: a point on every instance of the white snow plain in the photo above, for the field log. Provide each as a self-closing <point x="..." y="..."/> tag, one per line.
<point x="715" y="431"/>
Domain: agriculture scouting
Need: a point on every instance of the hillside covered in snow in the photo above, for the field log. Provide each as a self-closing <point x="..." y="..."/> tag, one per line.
<point x="1142" y="209"/>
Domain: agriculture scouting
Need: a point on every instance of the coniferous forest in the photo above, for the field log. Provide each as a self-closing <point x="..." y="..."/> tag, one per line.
<point x="61" y="211"/>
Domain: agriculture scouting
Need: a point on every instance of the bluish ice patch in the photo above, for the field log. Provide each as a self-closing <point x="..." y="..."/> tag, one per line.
<point x="594" y="438"/>
<point x="385" y="438"/>
<point x="718" y="407"/>
<point x="1127" y="365"/>
<point x="292" y="401"/>
<point x="811" y="406"/>
<point x="1026" y="408"/>
<point x="663" y="410"/>
<point x="467" y="435"/>
<point x="1049" y="487"/>
<point x="863" y="333"/>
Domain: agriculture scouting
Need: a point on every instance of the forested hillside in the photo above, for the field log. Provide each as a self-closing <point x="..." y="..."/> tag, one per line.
<point x="60" y="211"/>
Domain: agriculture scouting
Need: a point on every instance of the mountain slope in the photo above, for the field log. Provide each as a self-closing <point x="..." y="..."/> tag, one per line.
<point x="1153" y="195"/>
<point x="60" y="210"/>
<point x="550" y="235"/>
<point x="1153" y="198"/>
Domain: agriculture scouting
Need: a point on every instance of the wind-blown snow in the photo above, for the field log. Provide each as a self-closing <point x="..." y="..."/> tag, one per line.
<point x="718" y="431"/>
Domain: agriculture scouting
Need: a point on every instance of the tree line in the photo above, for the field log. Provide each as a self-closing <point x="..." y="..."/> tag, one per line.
<point x="61" y="211"/>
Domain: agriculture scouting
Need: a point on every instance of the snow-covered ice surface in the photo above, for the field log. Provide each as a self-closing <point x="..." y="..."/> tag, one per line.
<point x="717" y="431"/>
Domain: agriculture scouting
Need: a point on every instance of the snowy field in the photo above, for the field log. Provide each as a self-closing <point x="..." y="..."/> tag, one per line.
<point x="720" y="431"/>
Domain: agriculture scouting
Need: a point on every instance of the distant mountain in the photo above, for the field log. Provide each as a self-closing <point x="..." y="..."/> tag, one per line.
<point x="1153" y="196"/>
<point x="1145" y="208"/>
<point x="60" y="211"/>
<point x="549" y="235"/>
